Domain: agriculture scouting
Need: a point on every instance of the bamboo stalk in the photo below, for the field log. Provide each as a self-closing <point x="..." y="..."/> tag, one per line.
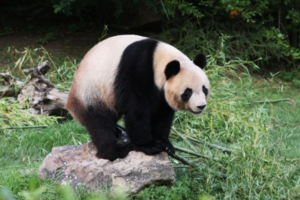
<point x="183" y="160"/>
<point x="224" y="149"/>
<point x="24" y="127"/>
<point x="193" y="153"/>
<point x="271" y="101"/>
<point x="195" y="166"/>
<point x="185" y="139"/>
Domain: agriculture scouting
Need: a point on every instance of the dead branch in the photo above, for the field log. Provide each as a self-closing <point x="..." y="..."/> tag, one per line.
<point x="37" y="74"/>
<point x="43" y="97"/>
<point x="9" y="85"/>
<point x="38" y="92"/>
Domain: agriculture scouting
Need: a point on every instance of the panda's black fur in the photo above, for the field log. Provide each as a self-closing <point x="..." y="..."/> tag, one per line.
<point x="147" y="115"/>
<point x="143" y="104"/>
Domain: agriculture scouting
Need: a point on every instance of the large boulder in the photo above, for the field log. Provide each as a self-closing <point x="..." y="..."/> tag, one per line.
<point x="79" y="166"/>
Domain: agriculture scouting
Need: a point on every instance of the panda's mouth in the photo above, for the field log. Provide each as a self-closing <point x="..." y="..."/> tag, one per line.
<point x="196" y="113"/>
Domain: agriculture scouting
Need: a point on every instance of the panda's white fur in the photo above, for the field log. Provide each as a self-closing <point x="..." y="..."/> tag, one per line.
<point x="96" y="82"/>
<point x="98" y="97"/>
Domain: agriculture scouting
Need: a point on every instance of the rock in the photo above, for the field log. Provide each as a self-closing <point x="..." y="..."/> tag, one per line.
<point x="79" y="166"/>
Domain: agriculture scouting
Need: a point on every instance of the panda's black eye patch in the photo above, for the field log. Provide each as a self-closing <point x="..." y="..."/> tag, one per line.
<point x="205" y="90"/>
<point x="187" y="94"/>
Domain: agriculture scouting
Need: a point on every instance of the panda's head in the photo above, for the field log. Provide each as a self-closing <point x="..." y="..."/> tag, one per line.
<point x="187" y="86"/>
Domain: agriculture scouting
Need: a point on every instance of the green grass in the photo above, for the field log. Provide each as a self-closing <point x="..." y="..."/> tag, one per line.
<point x="30" y="146"/>
<point x="285" y="129"/>
<point x="264" y="138"/>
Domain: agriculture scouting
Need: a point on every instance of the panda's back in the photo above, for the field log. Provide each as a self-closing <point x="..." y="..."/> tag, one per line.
<point x="96" y="72"/>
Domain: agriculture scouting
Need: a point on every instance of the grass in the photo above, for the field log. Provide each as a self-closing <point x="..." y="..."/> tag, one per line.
<point x="264" y="138"/>
<point x="28" y="147"/>
<point x="285" y="129"/>
<point x="13" y="115"/>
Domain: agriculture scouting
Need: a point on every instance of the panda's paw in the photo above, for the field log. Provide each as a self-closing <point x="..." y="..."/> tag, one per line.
<point x="114" y="152"/>
<point x="169" y="148"/>
<point x="149" y="148"/>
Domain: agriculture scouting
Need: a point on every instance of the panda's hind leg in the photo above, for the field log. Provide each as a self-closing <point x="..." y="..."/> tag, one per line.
<point x="101" y="124"/>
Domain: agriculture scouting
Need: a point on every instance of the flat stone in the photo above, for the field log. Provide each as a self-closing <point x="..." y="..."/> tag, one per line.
<point x="79" y="166"/>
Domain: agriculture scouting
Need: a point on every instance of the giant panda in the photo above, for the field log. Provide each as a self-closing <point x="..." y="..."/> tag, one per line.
<point x="142" y="79"/>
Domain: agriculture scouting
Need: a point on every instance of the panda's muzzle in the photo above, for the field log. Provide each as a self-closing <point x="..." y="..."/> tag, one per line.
<point x="201" y="108"/>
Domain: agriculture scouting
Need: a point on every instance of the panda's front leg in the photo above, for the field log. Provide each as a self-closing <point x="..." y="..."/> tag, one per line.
<point x="161" y="126"/>
<point x="138" y="125"/>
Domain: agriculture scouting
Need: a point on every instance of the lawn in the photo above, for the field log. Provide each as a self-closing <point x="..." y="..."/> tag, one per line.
<point x="257" y="118"/>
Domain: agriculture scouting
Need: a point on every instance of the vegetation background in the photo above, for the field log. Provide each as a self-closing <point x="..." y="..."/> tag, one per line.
<point x="253" y="64"/>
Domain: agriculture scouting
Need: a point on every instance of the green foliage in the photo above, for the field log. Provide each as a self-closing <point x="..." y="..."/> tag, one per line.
<point x="265" y="31"/>
<point x="181" y="190"/>
<point x="22" y="154"/>
<point x="268" y="48"/>
<point x="13" y="115"/>
<point x="61" y="75"/>
<point x="256" y="169"/>
<point x="291" y="76"/>
<point x="250" y="9"/>
<point x="48" y="37"/>
<point x="264" y="136"/>
<point x="184" y="7"/>
<point x="36" y="189"/>
<point x="5" y="194"/>
<point x="83" y="9"/>
<point x="63" y="6"/>
<point x="230" y="121"/>
<point x="6" y="31"/>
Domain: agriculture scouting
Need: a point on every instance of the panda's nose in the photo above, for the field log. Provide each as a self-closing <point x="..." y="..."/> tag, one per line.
<point x="201" y="107"/>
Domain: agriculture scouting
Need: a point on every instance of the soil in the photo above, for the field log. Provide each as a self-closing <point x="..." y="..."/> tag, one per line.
<point x="72" y="45"/>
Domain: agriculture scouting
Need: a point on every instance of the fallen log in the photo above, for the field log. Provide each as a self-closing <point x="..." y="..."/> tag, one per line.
<point x="38" y="92"/>
<point x="10" y="86"/>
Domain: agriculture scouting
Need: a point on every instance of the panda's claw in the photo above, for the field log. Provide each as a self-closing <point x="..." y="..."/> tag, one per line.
<point x="169" y="151"/>
<point x="168" y="147"/>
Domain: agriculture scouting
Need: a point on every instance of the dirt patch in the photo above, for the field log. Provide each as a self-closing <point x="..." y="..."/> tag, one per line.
<point x="62" y="44"/>
<point x="72" y="45"/>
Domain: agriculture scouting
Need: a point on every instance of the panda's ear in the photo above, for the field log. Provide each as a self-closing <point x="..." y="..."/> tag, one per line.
<point x="200" y="60"/>
<point x="172" y="69"/>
